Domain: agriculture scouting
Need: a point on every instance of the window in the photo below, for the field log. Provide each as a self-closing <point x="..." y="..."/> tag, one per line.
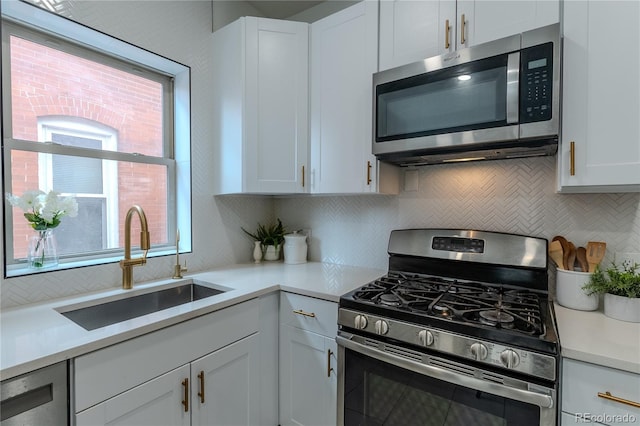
<point x="87" y="123"/>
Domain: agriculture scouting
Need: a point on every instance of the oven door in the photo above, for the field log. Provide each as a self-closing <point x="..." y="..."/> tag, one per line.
<point x="383" y="384"/>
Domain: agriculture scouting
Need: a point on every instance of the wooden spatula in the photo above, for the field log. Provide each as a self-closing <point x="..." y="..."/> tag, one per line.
<point x="581" y="257"/>
<point x="595" y="253"/>
<point x="556" y="253"/>
<point x="571" y="257"/>
<point x="565" y="250"/>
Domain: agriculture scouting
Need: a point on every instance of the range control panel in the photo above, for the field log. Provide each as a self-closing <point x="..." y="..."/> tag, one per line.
<point x="536" y="83"/>
<point x="463" y="245"/>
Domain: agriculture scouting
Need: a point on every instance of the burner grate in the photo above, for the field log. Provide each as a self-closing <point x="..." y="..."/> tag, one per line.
<point x="460" y="301"/>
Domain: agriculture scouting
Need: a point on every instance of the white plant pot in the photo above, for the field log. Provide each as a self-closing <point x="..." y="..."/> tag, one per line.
<point x="272" y="252"/>
<point x="569" y="292"/>
<point x="622" y="308"/>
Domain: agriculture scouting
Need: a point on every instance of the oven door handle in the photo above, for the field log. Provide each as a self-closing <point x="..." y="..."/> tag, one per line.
<point x="538" y="399"/>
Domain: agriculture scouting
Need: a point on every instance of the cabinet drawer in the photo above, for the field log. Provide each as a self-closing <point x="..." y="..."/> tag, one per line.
<point x="308" y="313"/>
<point x="107" y="372"/>
<point x="581" y="383"/>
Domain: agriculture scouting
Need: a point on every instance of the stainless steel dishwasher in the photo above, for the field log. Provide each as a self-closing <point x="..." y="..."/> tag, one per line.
<point x="36" y="398"/>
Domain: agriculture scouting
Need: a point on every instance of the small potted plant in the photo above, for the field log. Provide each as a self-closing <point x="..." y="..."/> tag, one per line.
<point x="270" y="238"/>
<point x="620" y="285"/>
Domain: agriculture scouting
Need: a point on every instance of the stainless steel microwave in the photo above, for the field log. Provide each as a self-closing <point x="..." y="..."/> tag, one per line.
<point x="495" y="100"/>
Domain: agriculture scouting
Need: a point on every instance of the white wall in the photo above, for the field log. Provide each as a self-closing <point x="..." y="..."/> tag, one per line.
<point x="179" y="30"/>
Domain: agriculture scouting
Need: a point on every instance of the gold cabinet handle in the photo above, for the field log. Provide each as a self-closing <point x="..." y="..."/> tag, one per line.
<point x="303" y="176"/>
<point x="368" y="172"/>
<point x="447" y="28"/>
<point x="185" y="388"/>
<point x="329" y="368"/>
<point x="462" y="25"/>
<point x="572" y="155"/>
<point x="201" y="392"/>
<point x="303" y="313"/>
<point x="607" y="395"/>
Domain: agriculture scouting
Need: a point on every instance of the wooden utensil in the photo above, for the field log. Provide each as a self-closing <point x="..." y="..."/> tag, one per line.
<point x="565" y="250"/>
<point x="555" y="253"/>
<point x="581" y="257"/>
<point x="595" y="253"/>
<point x="571" y="257"/>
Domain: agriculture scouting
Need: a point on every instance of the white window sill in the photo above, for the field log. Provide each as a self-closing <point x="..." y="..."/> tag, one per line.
<point x="22" y="269"/>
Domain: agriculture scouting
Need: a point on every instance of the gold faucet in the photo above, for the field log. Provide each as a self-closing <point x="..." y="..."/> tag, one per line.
<point x="177" y="268"/>
<point x="127" y="263"/>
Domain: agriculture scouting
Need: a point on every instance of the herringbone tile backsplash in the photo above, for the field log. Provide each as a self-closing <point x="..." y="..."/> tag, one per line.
<point x="516" y="196"/>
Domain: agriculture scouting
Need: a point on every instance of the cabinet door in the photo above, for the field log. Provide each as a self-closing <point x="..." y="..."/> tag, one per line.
<point x="487" y="20"/>
<point x="413" y="30"/>
<point x="156" y="402"/>
<point x="308" y="379"/>
<point x="343" y="60"/>
<point x="225" y="385"/>
<point x="276" y="108"/>
<point x="601" y="97"/>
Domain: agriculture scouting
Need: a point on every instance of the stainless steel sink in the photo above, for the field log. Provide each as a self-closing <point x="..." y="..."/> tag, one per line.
<point x="107" y="313"/>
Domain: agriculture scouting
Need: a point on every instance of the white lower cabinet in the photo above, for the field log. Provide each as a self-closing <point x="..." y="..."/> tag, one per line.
<point x="308" y="377"/>
<point x="205" y="371"/>
<point x="585" y="399"/>
<point x="225" y="385"/>
<point x="221" y="388"/>
<point x="156" y="402"/>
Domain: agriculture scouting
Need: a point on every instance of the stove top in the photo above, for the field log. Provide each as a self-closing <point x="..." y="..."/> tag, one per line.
<point x="494" y="312"/>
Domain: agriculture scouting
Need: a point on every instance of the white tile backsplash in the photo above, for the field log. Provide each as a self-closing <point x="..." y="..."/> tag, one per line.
<point x="516" y="196"/>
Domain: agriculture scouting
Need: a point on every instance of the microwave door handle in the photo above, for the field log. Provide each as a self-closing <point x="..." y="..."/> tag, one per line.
<point x="513" y="87"/>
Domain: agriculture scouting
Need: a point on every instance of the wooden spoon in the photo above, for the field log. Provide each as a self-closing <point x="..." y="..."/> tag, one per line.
<point x="571" y="257"/>
<point x="555" y="253"/>
<point x="565" y="250"/>
<point x="581" y="257"/>
<point x="595" y="253"/>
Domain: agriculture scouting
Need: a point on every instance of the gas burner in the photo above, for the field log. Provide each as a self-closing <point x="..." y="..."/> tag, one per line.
<point x="390" y="299"/>
<point x="442" y="311"/>
<point x="497" y="317"/>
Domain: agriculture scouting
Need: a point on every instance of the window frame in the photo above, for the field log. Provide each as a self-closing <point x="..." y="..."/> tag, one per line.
<point x="29" y="21"/>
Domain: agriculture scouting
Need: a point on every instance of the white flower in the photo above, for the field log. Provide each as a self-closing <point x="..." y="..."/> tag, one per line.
<point x="69" y="206"/>
<point x="44" y="211"/>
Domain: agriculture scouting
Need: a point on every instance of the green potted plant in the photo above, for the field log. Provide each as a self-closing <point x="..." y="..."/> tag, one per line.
<point x="270" y="238"/>
<point x="620" y="285"/>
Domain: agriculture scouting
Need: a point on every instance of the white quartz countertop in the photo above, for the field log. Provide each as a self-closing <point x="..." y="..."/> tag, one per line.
<point x="592" y="337"/>
<point x="34" y="336"/>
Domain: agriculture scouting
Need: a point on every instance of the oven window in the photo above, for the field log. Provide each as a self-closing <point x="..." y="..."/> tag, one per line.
<point x="377" y="393"/>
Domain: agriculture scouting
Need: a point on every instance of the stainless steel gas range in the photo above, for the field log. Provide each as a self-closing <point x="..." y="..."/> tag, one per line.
<point x="460" y="331"/>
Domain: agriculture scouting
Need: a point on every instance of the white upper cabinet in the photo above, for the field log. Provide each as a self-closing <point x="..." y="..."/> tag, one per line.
<point x="344" y="57"/>
<point x="412" y="30"/>
<point x="486" y="20"/>
<point x="601" y="97"/>
<point x="260" y="111"/>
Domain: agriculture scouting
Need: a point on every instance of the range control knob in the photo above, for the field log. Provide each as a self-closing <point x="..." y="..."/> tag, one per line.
<point x="425" y="337"/>
<point x="382" y="327"/>
<point x="479" y="351"/>
<point x="361" y="322"/>
<point x="509" y="358"/>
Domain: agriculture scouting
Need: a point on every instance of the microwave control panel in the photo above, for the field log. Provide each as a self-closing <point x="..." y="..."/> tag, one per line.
<point x="536" y="83"/>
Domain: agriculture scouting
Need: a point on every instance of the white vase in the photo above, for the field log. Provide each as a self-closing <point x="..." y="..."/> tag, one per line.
<point x="622" y="308"/>
<point x="272" y="252"/>
<point x="257" y="252"/>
